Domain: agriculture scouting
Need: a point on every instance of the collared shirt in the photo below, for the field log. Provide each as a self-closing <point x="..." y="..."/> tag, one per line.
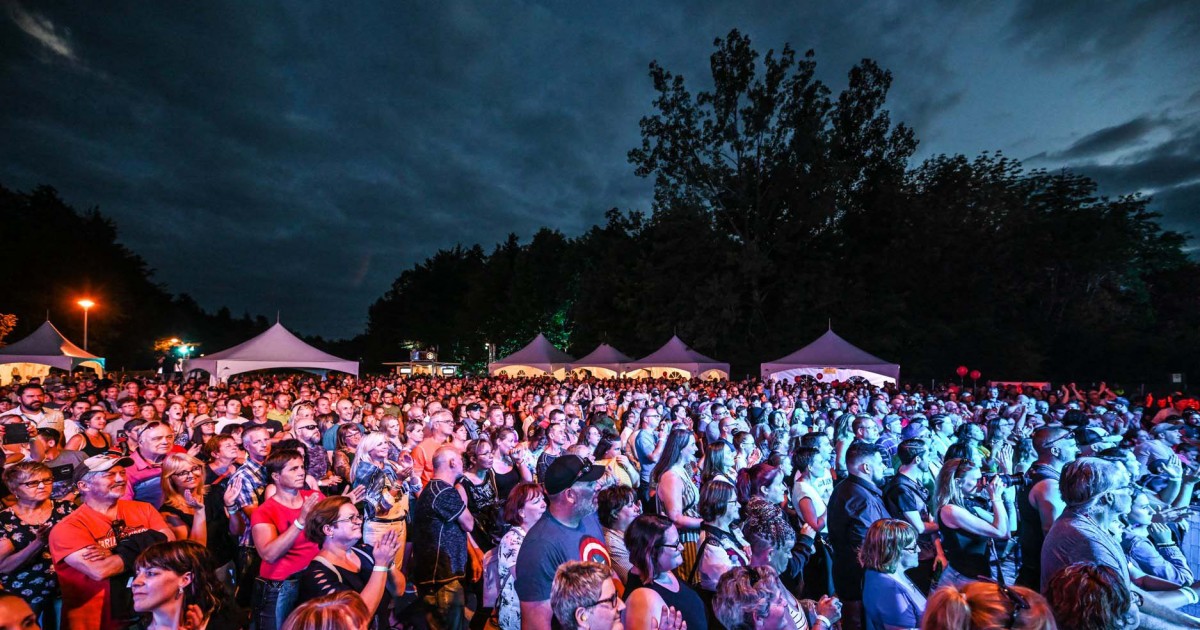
<point x="254" y="483"/>
<point x="142" y="480"/>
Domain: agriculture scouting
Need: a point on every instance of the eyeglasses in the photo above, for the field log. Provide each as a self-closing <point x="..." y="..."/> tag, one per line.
<point x="1064" y="436"/>
<point x="674" y="546"/>
<point x="611" y="601"/>
<point x="306" y="427"/>
<point x="35" y="483"/>
<point x="1018" y="602"/>
<point x="190" y="472"/>
<point x="353" y="519"/>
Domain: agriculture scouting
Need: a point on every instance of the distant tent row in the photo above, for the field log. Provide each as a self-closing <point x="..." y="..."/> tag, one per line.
<point x="45" y="348"/>
<point x="829" y="358"/>
<point x="540" y="358"/>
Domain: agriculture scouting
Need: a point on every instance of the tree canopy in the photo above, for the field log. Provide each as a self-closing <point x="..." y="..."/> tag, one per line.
<point x="779" y="207"/>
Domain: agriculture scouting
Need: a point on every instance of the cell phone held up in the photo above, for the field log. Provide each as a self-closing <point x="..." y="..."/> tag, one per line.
<point x="16" y="433"/>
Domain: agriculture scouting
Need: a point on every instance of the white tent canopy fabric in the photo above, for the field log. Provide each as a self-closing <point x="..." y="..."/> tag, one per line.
<point x="538" y="358"/>
<point x="675" y="357"/>
<point x="603" y="362"/>
<point x="276" y="347"/>
<point x="45" y="348"/>
<point x="831" y="358"/>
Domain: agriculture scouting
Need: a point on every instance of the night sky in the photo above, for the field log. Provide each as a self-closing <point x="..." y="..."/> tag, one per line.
<point x="299" y="156"/>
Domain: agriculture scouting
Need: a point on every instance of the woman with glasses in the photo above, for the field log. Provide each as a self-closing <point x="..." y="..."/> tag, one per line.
<point x="721" y="546"/>
<point x="890" y="549"/>
<point x="348" y="437"/>
<point x="654" y="550"/>
<point x="184" y="491"/>
<point x="25" y="564"/>
<point x="483" y="497"/>
<point x="969" y="522"/>
<point x="336" y="526"/>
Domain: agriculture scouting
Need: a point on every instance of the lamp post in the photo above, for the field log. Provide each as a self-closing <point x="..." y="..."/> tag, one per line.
<point x="87" y="305"/>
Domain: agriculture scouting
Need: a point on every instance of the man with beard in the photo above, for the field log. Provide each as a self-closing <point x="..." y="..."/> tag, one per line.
<point x="95" y="547"/>
<point x="906" y="498"/>
<point x="856" y="503"/>
<point x="569" y="530"/>
<point x="31" y="407"/>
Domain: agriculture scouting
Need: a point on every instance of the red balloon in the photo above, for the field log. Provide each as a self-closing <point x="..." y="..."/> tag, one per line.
<point x="962" y="371"/>
<point x="975" y="374"/>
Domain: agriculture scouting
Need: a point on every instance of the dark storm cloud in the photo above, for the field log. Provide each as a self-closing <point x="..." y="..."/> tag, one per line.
<point x="299" y="156"/>
<point x="1117" y="137"/>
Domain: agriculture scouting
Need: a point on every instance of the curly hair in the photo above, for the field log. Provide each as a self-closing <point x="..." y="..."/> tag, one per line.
<point x="612" y="500"/>
<point x="344" y="610"/>
<point x="744" y="594"/>
<point x="765" y="524"/>
<point x="1090" y="595"/>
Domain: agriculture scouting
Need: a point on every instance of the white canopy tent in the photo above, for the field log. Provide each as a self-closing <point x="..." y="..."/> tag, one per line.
<point x="831" y="358"/>
<point x="45" y="348"/>
<point x="538" y="358"/>
<point x="675" y="358"/>
<point x="603" y="362"/>
<point x="276" y="347"/>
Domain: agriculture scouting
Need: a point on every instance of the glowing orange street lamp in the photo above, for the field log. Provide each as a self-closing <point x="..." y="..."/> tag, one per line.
<point x="86" y="304"/>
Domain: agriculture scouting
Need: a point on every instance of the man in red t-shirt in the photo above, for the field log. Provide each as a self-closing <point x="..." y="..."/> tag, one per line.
<point x="437" y="434"/>
<point x="94" y="548"/>
<point x="277" y="528"/>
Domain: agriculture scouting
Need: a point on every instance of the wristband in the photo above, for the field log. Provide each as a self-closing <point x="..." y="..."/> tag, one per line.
<point x="298" y="524"/>
<point x="379" y="569"/>
<point x="825" y="620"/>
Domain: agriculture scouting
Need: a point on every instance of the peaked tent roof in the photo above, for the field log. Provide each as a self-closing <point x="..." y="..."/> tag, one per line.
<point x="539" y="353"/>
<point x="676" y="353"/>
<point x="831" y="351"/>
<point x="48" y="346"/>
<point x="276" y="347"/>
<point x="604" y="356"/>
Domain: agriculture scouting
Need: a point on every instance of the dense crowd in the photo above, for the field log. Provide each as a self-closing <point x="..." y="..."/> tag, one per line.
<point x="295" y="502"/>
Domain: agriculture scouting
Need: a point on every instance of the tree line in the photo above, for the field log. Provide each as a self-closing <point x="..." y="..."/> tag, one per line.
<point x="780" y="206"/>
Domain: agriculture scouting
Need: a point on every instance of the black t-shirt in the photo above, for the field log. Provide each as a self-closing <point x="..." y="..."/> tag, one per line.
<point x="272" y="426"/>
<point x="903" y="494"/>
<point x="326" y="579"/>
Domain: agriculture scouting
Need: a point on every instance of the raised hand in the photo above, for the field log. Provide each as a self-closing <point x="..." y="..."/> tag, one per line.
<point x="386" y="547"/>
<point x="233" y="490"/>
<point x="310" y="502"/>
<point x="671" y="619"/>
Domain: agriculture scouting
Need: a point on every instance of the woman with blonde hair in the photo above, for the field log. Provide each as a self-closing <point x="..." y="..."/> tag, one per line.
<point x="386" y="486"/>
<point x="183" y="492"/>
<point x="968" y="527"/>
<point x="987" y="605"/>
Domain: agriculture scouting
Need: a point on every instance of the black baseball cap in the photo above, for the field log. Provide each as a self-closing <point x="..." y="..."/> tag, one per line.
<point x="569" y="470"/>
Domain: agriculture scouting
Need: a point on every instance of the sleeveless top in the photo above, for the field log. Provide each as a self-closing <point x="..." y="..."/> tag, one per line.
<point x="505" y="482"/>
<point x="686" y="601"/>
<point x="91" y="450"/>
<point x="966" y="553"/>
<point x="1030" y="527"/>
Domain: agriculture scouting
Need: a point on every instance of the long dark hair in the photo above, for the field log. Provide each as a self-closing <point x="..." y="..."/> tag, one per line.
<point x="186" y="556"/>
<point x="672" y="452"/>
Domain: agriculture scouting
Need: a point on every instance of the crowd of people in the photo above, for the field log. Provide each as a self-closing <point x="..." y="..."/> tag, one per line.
<point x="297" y="502"/>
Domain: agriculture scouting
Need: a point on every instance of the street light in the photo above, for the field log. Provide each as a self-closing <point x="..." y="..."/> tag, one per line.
<point x="86" y="304"/>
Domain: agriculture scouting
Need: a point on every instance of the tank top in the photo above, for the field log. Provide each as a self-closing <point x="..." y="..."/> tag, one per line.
<point x="505" y="482"/>
<point x="1030" y="527"/>
<point x="686" y="601"/>
<point x="966" y="553"/>
<point x="91" y="450"/>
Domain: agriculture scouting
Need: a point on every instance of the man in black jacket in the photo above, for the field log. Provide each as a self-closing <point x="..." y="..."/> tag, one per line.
<point x="855" y="504"/>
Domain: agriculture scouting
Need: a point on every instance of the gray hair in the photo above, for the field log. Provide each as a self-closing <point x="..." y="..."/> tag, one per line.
<point x="576" y="585"/>
<point x="1086" y="479"/>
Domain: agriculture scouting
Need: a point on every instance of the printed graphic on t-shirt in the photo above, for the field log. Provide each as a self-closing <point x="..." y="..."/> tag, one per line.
<point x="594" y="550"/>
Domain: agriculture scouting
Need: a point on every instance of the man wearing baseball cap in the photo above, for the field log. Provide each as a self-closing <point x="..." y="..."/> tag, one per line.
<point x="95" y="546"/>
<point x="569" y="530"/>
